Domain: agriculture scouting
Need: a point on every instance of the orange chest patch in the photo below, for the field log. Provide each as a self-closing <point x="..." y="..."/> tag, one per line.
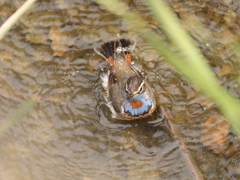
<point x="136" y="104"/>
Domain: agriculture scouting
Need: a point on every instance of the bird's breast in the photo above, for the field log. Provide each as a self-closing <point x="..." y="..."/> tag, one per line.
<point x="136" y="108"/>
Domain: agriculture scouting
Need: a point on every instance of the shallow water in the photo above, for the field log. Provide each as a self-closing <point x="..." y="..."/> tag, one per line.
<point x="70" y="133"/>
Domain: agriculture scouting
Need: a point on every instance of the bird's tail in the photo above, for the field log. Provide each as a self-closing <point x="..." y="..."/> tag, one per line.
<point x="113" y="49"/>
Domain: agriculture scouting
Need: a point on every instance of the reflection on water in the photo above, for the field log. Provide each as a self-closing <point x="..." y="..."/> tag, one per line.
<point x="71" y="135"/>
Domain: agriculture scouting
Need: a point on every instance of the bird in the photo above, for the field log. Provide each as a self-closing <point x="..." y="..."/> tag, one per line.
<point x="128" y="93"/>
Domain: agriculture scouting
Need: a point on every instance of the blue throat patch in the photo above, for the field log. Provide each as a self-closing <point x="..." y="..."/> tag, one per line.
<point x="134" y="112"/>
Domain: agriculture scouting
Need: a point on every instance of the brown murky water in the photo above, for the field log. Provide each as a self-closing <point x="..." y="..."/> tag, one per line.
<point x="70" y="135"/>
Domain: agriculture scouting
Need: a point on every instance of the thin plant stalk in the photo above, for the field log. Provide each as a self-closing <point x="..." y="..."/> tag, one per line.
<point x="7" y="25"/>
<point x="18" y="114"/>
<point x="204" y="77"/>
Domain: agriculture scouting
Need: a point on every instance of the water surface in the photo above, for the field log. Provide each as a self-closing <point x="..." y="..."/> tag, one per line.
<point x="71" y="135"/>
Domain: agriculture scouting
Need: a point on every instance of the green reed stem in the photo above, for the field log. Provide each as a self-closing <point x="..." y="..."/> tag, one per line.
<point x="18" y="114"/>
<point x="193" y="64"/>
<point x="15" y="17"/>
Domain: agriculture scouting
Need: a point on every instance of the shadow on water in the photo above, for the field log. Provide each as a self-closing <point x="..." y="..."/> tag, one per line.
<point x="71" y="135"/>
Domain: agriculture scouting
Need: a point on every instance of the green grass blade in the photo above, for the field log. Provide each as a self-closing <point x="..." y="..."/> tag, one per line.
<point x="203" y="75"/>
<point x="18" y="114"/>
